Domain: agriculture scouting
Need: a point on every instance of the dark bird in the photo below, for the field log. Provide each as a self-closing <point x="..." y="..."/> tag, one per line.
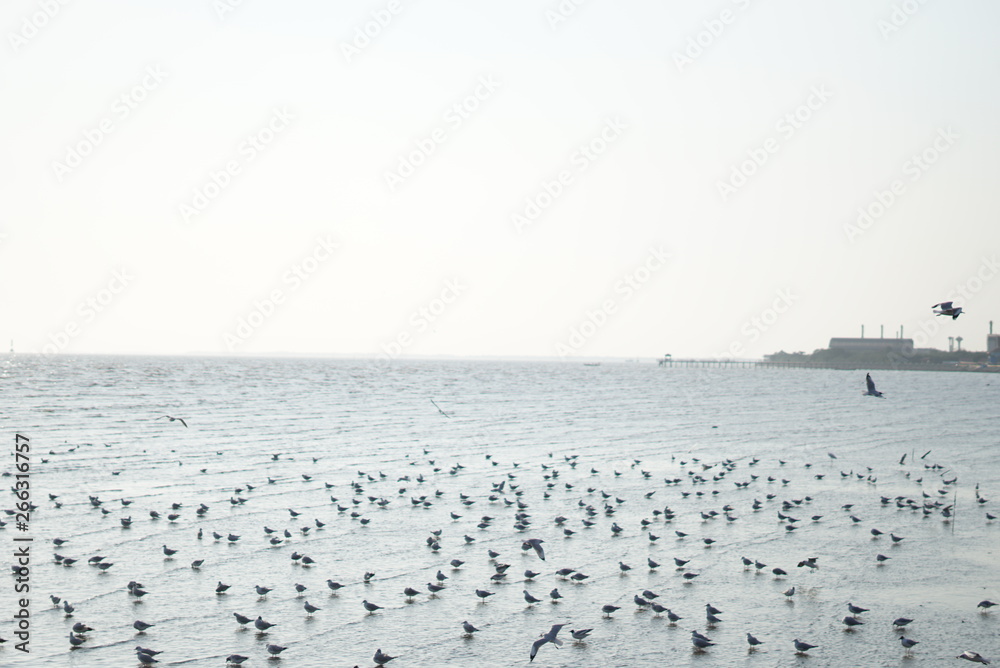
<point x="948" y="309"/>
<point x="872" y="392"/>
<point x="439" y="409"/>
<point x="173" y="419"/>
<point x="802" y="647"/>
<point x="974" y="657"/>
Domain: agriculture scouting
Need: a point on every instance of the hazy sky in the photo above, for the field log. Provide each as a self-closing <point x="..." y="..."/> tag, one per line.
<point x="432" y="177"/>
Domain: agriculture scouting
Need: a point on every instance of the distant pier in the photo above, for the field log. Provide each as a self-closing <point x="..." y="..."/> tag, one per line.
<point x="669" y="361"/>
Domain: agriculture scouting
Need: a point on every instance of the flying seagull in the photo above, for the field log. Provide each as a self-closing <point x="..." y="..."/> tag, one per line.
<point x="173" y="419"/>
<point x="974" y="657"/>
<point x="536" y="543"/>
<point x="948" y="309"/>
<point x="872" y="392"/>
<point x="546" y="637"/>
<point x="439" y="409"/>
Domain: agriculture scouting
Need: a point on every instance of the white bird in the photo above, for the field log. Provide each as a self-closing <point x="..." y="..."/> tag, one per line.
<point x="948" y="309"/>
<point x="974" y="657"/>
<point x="872" y="392"/>
<point x="581" y="634"/>
<point x="546" y="637"/>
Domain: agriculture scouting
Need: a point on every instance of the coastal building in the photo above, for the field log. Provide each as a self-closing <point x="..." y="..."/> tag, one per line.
<point x="902" y="346"/>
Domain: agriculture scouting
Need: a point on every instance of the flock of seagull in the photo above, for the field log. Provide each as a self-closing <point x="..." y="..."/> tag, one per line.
<point x="597" y="508"/>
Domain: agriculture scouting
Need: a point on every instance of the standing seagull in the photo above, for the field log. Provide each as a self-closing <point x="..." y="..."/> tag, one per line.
<point x="948" y="309"/>
<point x="802" y="647"/>
<point x="173" y="419"/>
<point x="381" y="658"/>
<point x="872" y="392"/>
<point x="546" y="637"/>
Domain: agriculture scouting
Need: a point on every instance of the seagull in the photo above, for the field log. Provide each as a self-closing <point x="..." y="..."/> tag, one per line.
<point x="144" y="658"/>
<point x="581" y="634"/>
<point x="907" y="643"/>
<point x="855" y="610"/>
<point x="900" y="622"/>
<point x="948" y="309"/>
<point x="261" y="625"/>
<point x="546" y="637"/>
<point x="181" y="420"/>
<point x="483" y="594"/>
<point x="380" y="658"/>
<point x="872" y="392"/>
<point x="241" y="619"/>
<point x="275" y="650"/>
<point x="555" y="595"/>
<point x="802" y="647"/>
<point x="310" y="608"/>
<point x="700" y="642"/>
<point x="140" y="625"/>
<point x="469" y="629"/>
<point x="974" y="657"/>
<point x="529" y="598"/>
<point x="439" y="409"/>
<point x="536" y="543"/>
<point x="852" y="621"/>
<point x="986" y="605"/>
<point x="753" y="641"/>
<point x="370" y="607"/>
<point x="236" y="659"/>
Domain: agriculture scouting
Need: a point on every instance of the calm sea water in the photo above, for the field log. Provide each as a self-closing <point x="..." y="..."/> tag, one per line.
<point x="269" y="423"/>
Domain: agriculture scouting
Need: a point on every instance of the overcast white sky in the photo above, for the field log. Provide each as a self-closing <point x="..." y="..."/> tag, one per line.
<point x="363" y="213"/>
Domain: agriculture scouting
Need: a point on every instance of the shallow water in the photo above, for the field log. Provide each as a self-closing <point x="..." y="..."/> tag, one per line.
<point x="94" y="420"/>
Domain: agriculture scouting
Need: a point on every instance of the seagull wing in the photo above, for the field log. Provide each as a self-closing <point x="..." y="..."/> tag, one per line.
<point x="534" y="647"/>
<point x="871" y="383"/>
<point x="944" y="306"/>
<point x="182" y="421"/>
<point x="538" y="549"/>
